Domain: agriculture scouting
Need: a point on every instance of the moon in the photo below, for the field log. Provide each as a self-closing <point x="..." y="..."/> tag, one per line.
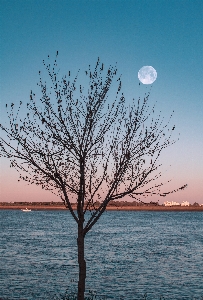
<point x="147" y="75"/>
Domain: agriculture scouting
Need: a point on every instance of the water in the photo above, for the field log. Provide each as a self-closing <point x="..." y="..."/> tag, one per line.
<point x="127" y="254"/>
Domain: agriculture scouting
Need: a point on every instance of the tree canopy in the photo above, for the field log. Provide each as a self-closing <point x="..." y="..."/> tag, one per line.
<point x="72" y="126"/>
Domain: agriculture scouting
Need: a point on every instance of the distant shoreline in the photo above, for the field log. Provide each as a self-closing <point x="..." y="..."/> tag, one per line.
<point x="52" y="206"/>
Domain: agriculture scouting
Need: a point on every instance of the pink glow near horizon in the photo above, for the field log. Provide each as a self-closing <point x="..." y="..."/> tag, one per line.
<point x="13" y="191"/>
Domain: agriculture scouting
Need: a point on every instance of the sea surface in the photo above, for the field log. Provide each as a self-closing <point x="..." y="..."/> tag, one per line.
<point x="128" y="254"/>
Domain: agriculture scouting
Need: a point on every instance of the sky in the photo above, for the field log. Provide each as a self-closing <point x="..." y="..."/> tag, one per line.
<point x="167" y="35"/>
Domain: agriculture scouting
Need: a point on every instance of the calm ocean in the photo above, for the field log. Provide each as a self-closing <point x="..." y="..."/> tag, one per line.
<point x="128" y="254"/>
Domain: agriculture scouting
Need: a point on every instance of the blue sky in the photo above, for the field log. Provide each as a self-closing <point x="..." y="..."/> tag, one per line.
<point x="167" y="35"/>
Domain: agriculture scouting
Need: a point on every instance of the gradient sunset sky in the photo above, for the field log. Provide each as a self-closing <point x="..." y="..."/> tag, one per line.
<point x="167" y="35"/>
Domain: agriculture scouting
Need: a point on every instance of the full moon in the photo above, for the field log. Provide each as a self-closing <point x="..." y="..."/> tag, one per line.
<point x="147" y="75"/>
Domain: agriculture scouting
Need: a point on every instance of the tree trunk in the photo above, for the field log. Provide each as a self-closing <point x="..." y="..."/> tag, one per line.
<point x="81" y="262"/>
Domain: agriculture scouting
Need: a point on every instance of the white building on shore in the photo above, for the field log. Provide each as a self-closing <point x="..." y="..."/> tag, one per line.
<point x="173" y="203"/>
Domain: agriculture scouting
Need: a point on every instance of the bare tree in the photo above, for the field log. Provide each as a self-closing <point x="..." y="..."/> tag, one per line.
<point x="82" y="146"/>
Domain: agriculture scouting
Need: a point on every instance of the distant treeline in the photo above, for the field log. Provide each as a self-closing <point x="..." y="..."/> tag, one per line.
<point x="96" y="204"/>
<point x="133" y="203"/>
<point x="33" y="203"/>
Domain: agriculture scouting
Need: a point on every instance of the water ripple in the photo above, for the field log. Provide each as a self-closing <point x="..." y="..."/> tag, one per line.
<point x="127" y="254"/>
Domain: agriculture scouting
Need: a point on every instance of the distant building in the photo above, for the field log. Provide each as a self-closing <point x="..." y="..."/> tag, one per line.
<point x="172" y="203"/>
<point x="185" y="203"/>
<point x="196" y="204"/>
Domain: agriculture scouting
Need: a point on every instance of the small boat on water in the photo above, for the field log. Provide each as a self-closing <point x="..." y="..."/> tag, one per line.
<point x="26" y="209"/>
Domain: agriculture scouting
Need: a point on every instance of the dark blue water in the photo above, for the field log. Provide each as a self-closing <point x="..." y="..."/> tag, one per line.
<point x="127" y="254"/>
